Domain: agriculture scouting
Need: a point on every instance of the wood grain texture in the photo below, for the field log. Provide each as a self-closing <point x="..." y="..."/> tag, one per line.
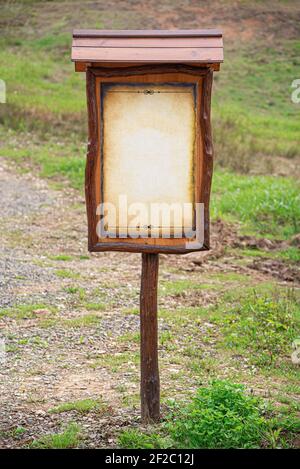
<point x="148" y="54"/>
<point x="150" y="387"/>
<point x="152" y="46"/>
<point x="143" y="42"/>
<point x="207" y="170"/>
<point x="125" y="246"/>
<point x="91" y="161"/>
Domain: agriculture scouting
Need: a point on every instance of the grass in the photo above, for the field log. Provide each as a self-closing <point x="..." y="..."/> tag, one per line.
<point x="181" y="316"/>
<point x="252" y="103"/>
<point x="76" y="290"/>
<point x="261" y="327"/>
<point x="26" y="311"/>
<point x="116" y="362"/>
<point x="177" y="287"/>
<point x="61" y="257"/>
<point x="95" y="306"/>
<point x="64" y="273"/>
<point x="215" y="281"/>
<point x="88" y="320"/>
<point x="82" y="406"/>
<point x="134" y="439"/>
<point x="265" y="205"/>
<point x="57" y="159"/>
<point x="252" y="110"/>
<point x="69" y="438"/>
<point x="130" y="337"/>
<point x="16" y="432"/>
<point x="291" y="254"/>
<point x="44" y="74"/>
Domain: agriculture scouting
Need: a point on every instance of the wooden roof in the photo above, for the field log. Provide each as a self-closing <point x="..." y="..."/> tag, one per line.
<point x="147" y="46"/>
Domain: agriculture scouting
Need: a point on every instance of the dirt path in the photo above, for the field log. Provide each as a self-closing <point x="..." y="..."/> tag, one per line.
<point x="45" y="365"/>
<point x="69" y="318"/>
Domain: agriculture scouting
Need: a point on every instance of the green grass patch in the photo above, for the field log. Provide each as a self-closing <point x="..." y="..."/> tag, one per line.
<point x="182" y="316"/>
<point x="291" y="254"/>
<point x="82" y="406"/>
<point x="177" y="287"/>
<point x="61" y="257"/>
<point x="129" y="311"/>
<point x="264" y="327"/>
<point x="130" y="337"/>
<point x="64" y="273"/>
<point x="74" y="290"/>
<point x="134" y="439"/>
<point x="26" y="311"/>
<point x="87" y="320"/>
<point x="228" y="277"/>
<point x="58" y="160"/>
<point x="116" y="362"/>
<point x="212" y="282"/>
<point x="47" y="85"/>
<point x="252" y="106"/>
<point x="94" y="306"/>
<point x="69" y="438"/>
<point x="16" y="432"/>
<point x="266" y="205"/>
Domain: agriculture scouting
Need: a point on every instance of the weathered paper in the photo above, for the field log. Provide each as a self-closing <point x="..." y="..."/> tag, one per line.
<point x="148" y="135"/>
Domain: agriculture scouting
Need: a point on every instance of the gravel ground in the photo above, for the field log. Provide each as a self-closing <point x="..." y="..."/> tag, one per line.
<point x="65" y="322"/>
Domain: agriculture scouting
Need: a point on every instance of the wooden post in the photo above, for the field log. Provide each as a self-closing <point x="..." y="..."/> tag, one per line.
<point x="149" y="354"/>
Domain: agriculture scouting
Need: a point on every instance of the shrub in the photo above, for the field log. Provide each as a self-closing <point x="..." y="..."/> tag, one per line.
<point x="220" y="416"/>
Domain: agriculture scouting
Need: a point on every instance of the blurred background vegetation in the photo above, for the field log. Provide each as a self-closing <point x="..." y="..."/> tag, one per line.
<point x="256" y="128"/>
<point x="256" y="125"/>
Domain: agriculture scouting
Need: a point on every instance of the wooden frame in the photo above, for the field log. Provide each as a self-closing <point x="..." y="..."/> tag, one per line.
<point x="162" y="73"/>
<point x="151" y="58"/>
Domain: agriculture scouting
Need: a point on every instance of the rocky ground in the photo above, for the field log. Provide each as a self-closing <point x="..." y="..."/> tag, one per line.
<point x="69" y="319"/>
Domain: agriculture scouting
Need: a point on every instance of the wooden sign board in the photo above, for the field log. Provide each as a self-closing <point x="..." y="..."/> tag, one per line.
<point x="149" y="162"/>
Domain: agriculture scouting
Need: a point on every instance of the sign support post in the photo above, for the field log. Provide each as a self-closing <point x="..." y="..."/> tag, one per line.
<point x="150" y="144"/>
<point x="149" y="349"/>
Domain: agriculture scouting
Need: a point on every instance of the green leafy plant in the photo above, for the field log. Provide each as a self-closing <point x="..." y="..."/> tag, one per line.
<point x="221" y="415"/>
